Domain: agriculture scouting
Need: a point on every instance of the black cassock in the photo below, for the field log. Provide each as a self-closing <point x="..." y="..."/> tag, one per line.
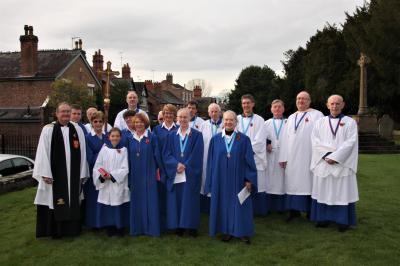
<point x="64" y="219"/>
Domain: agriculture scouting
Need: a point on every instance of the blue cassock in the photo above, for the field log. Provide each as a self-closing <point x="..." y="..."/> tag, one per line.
<point x="161" y="133"/>
<point x="183" y="199"/>
<point x="144" y="217"/>
<point x="225" y="179"/>
<point x="125" y="135"/>
<point x="93" y="147"/>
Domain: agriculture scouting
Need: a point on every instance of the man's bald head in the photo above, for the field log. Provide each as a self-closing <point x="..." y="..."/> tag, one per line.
<point x="303" y="101"/>
<point x="132" y="100"/>
<point x="335" y="104"/>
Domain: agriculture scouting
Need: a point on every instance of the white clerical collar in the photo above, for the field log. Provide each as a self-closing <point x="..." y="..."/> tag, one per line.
<point x="168" y="128"/>
<point x="180" y="132"/>
<point x="136" y="136"/>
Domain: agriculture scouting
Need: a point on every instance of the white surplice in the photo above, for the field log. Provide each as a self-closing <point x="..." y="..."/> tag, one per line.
<point x="295" y="149"/>
<point x="197" y="123"/>
<point x="275" y="175"/>
<point x="42" y="168"/>
<point x="253" y="125"/>
<point x="335" y="184"/>
<point x="115" y="162"/>
<point x="120" y="121"/>
<point x="207" y="129"/>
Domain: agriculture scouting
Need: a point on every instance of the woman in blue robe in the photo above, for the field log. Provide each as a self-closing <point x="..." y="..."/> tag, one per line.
<point x="143" y="161"/>
<point x="94" y="142"/>
<point x="127" y="132"/>
<point x="183" y="162"/>
<point x="161" y="132"/>
<point x="230" y="168"/>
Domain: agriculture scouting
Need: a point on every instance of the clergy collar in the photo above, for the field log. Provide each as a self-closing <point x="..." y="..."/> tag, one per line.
<point x="136" y="136"/>
<point x="223" y="133"/>
<point x="169" y="128"/>
<point x="248" y="116"/>
<point x="180" y="132"/>
<point x="338" y="116"/>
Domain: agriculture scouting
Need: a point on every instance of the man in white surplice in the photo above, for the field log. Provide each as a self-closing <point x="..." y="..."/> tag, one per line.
<point x="59" y="169"/>
<point x="250" y="124"/>
<point x="266" y="148"/>
<point x="209" y="129"/>
<point x="295" y="156"/>
<point x="132" y="100"/>
<point x="334" y="165"/>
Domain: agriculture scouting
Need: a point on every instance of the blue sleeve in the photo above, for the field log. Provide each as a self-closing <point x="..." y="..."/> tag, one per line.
<point x="170" y="163"/>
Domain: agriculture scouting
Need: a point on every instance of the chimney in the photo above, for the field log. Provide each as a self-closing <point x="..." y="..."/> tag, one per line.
<point x="169" y="78"/>
<point x="76" y="45"/>
<point x="29" y="53"/>
<point x="148" y="84"/>
<point x="126" y="71"/>
<point x="197" y="92"/>
<point x="98" y="62"/>
<point x="80" y="44"/>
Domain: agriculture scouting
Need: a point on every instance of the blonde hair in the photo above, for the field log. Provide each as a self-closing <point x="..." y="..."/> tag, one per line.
<point x="97" y="115"/>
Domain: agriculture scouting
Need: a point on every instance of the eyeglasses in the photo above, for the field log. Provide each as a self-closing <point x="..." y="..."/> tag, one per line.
<point x="97" y="121"/>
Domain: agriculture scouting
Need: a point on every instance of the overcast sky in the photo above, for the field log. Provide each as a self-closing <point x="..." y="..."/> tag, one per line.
<point x="213" y="40"/>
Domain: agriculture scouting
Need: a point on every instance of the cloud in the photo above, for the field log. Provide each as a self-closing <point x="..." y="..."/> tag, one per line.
<point x="214" y="39"/>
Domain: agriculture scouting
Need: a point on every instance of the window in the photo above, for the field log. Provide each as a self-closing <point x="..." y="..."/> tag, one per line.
<point x="21" y="165"/>
<point x="6" y="168"/>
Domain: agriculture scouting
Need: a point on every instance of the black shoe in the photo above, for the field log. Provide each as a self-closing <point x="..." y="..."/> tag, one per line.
<point x="226" y="238"/>
<point x="192" y="233"/>
<point x="322" y="224"/>
<point x="293" y="214"/>
<point x="245" y="240"/>
<point x="179" y="231"/>
<point x="343" y="228"/>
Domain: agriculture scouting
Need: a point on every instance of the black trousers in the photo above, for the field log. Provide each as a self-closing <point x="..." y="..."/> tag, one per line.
<point x="47" y="226"/>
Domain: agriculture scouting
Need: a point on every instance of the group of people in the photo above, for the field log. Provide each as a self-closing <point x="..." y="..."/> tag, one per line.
<point x="230" y="166"/>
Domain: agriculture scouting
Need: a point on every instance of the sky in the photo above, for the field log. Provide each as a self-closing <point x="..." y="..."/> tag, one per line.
<point x="205" y="39"/>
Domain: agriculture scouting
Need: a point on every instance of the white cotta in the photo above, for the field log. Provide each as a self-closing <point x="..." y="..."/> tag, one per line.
<point x="120" y="121"/>
<point x="274" y="174"/>
<point x="206" y="131"/>
<point x="257" y="123"/>
<point x="295" y="149"/>
<point x="42" y="168"/>
<point x="114" y="161"/>
<point x="335" y="184"/>
<point x="197" y="123"/>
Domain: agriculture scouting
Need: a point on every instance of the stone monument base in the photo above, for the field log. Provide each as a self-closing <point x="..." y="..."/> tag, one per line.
<point x="367" y="123"/>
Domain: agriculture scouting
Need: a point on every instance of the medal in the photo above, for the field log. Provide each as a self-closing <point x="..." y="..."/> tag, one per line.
<point x="137" y="154"/>
<point x="230" y="145"/>
<point x="182" y="143"/>
<point x="244" y="130"/>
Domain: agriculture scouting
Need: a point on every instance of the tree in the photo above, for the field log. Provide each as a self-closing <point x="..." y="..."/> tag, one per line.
<point x="64" y="90"/>
<point x="261" y="82"/>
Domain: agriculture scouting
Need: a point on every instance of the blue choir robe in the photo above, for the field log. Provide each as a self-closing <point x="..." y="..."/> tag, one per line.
<point x="93" y="147"/>
<point x="225" y="179"/>
<point x="161" y="132"/>
<point x="143" y="162"/>
<point x="126" y="133"/>
<point x="183" y="199"/>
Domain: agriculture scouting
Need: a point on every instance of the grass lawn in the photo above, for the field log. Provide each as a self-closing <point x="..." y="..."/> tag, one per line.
<point x="375" y="241"/>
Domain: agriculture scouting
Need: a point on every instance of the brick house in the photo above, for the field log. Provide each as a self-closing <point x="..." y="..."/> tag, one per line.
<point x="26" y="78"/>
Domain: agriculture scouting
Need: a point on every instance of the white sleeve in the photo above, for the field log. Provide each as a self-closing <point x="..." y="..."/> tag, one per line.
<point x="42" y="166"/>
<point x="121" y="171"/>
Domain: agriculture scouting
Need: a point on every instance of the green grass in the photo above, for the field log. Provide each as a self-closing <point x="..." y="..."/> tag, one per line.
<point x="375" y="241"/>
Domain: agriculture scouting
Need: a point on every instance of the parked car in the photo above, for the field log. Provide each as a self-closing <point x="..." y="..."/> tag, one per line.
<point x="13" y="164"/>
